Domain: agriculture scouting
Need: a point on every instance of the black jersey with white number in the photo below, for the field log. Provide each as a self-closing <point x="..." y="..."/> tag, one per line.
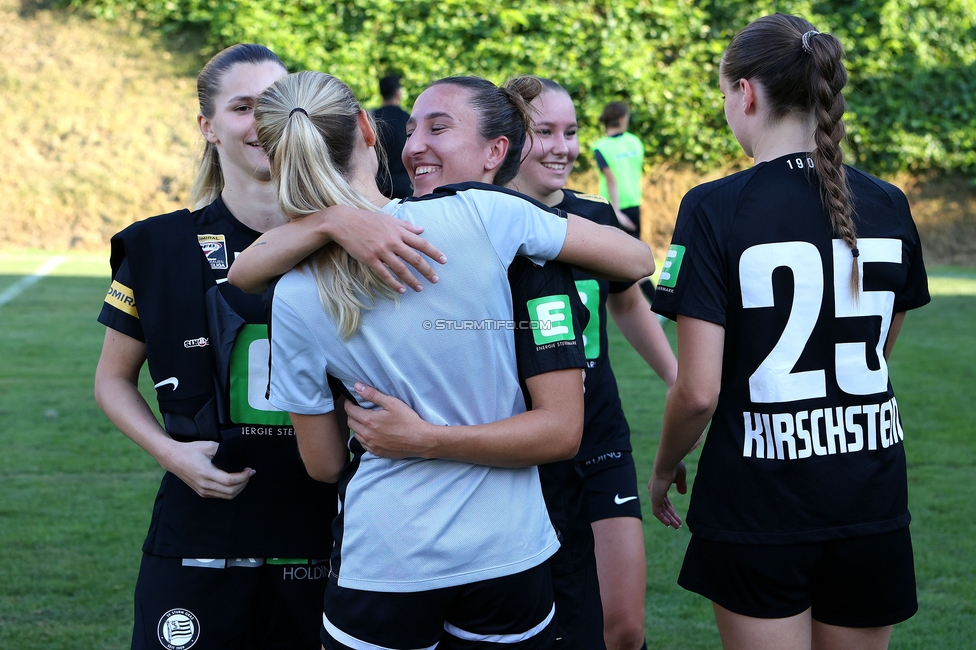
<point x="605" y="428"/>
<point x="806" y="443"/>
<point x="282" y="512"/>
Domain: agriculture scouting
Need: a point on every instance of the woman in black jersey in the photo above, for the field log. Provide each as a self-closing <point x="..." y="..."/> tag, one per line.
<point x="604" y="465"/>
<point x="234" y="493"/>
<point x="790" y="282"/>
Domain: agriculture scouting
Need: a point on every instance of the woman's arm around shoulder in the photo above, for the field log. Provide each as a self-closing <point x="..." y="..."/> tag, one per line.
<point x="379" y="241"/>
<point x="605" y="251"/>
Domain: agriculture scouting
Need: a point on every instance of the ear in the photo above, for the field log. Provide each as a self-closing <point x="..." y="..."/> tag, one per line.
<point x="497" y="150"/>
<point x="206" y="128"/>
<point x="749" y="96"/>
<point x="369" y="135"/>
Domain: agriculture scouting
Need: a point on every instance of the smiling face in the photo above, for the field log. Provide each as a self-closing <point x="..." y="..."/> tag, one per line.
<point x="231" y="127"/>
<point x="444" y="144"/>
<point x="554" y="148"/>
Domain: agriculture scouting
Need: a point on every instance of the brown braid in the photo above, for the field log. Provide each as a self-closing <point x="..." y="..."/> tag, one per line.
<point x="828" y="159"/>
<point x="802" y="76"/>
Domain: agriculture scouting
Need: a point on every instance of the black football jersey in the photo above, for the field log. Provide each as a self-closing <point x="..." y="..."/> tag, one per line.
<point x="806" y="441"/>
<point x="605" y="428"/>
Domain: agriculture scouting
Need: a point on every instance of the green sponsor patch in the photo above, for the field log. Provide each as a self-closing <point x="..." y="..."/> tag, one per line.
<point x="589" y="293"/>
<point x="249" y="379"/>
<point x="551" y="319"/>
<point x="672" y="265"/>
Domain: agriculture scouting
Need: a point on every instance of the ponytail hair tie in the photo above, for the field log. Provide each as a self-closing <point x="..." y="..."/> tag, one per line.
<point x="806" y="42"/>
<point x="300" y="110"/>
<point x="855" y="252"/>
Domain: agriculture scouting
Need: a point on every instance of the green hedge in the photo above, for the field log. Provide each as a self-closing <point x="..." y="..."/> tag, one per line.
<point x="912" y="62"/>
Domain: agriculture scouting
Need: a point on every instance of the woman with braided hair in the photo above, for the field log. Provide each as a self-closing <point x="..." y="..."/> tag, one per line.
<point x="789" y="282"/>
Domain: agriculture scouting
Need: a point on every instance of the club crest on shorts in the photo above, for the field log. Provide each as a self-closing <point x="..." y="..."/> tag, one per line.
<point x="215" y="248"/>
<point x="178" y="629"/>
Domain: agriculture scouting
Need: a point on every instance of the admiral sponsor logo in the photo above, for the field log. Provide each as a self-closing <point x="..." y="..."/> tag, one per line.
<point x="178" y="629"/>
<point x="822" y="432"/>
<point x="121" y="297"/>
<point x="201" y="342"/>
<point x="592" y="197"/>
<point x="215" y="248"/>
<point x="672" y="265"/>
<point x="555" y="311"/>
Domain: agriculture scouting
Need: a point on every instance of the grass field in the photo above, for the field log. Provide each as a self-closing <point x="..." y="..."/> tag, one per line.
<point x="75" y="495"/>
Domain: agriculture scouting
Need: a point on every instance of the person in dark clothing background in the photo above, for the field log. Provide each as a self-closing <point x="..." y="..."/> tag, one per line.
<point x="392" y="122"/>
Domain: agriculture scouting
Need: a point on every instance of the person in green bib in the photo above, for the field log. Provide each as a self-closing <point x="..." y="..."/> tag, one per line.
<point x="620" y="158"/>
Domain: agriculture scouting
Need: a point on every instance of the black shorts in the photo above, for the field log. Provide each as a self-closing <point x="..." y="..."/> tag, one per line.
<point x="247" y="605"/>
<point x="611" y="486"/>
<point x="579" y="610"/>
<point x="861" y="582"/>
<point x="515" y="612"/>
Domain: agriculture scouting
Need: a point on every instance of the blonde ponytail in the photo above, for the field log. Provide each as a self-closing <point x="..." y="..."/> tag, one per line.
<point x="308" y="124"/>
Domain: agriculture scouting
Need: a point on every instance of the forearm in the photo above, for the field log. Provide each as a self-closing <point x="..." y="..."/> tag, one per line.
<point x="633" y="316"/>
<point x="612" y="190"/>
<point x="605" y="251"/>
<point x="321" y="444"/>
<point x="124" y="405"/>
<point x="694" y="397"/>
<point x="684" y="421"/>
<point x="532" y="438"/>
<point x="278" y="251"/>
<point x="550" y="431"/>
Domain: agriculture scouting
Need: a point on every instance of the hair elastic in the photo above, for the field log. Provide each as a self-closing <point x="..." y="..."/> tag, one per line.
<point x="806" y="41"/>
<point x="302" y="110"/>
<point x="855" y="252"/>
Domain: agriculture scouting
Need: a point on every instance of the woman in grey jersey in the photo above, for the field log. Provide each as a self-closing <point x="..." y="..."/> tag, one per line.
<point x="331" y="317"/>
<point x="790" y="282"/>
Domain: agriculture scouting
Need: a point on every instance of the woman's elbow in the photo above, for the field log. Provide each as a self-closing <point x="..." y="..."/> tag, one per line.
<point x="323" y="474"/>
<point x="694" y="401"/>
<point x="645" y="260"/>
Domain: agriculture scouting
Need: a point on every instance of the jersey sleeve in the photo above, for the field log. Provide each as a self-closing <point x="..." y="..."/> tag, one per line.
<point x="549" y="318"/>
<point x="299" y="380"/>
<point x="601" y="162"/>
<point x="694" y="277"/>
<point x="518" y="226"/>
<point x="916" y="291"/>
<point x="119" y="311"/>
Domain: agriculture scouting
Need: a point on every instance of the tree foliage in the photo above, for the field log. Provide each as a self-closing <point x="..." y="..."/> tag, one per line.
<point x="912" y="63"/>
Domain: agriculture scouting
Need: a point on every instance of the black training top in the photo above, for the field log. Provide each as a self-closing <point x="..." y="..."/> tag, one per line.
<point x="282" y="512"/>
<point x="806" y="441"/>
<point x="605" y="429"/>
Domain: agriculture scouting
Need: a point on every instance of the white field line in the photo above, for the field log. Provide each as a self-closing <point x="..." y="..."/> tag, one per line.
<point x="18" y="287"/>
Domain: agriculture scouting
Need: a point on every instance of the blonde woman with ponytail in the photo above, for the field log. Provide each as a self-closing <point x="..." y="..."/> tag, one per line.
<point x="790" y="282"/>
<point x="420" y="559"/>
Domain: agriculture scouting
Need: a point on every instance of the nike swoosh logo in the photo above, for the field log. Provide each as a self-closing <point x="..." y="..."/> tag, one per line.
<point x="619" y="501"/>
<point x="175" y="383"/>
